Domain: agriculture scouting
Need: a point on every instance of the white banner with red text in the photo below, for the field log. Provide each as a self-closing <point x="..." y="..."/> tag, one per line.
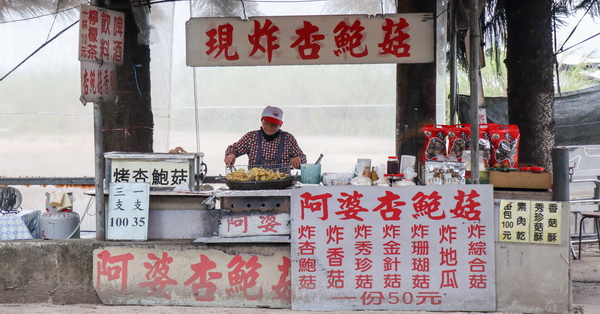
<point x="306" y="40"/>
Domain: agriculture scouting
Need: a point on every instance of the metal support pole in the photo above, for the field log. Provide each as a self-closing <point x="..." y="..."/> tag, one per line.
<point x="560" y="174"/>
<point x="99" y="172"/>
<point x="474" y="83"/>
<point x="453" y="56"/>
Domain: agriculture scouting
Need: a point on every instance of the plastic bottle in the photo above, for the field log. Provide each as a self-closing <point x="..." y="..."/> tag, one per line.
<point x="393" y="165"/>
<point x="367" y="172"/>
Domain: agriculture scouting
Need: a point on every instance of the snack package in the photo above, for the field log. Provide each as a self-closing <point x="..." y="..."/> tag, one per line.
<point x="435" y="142"/>
<point x="485" y="142"/>
<point x="434" y="172"/>
<point x="459" y="138"/>
<point x="454" y="172"/>
<point x="505" y="146"/>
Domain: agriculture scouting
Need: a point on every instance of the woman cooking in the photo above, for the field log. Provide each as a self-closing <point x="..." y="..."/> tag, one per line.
<point x="269" y="145"/>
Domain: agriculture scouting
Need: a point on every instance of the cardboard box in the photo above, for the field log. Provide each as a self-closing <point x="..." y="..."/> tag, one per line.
<point x="521" y="180"/>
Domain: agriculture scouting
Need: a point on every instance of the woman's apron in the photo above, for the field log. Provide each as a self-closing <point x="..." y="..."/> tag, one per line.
<point x="270" y="163"/>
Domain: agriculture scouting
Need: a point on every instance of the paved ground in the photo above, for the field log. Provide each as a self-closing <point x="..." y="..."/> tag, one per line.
<point x="585" y="275"/>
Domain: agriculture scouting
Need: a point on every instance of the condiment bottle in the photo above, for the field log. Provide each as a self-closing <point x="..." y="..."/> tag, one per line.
<point x="393" y="165"/>
<point x="397" y="177"/>
<point x="367" y="172"/>
<point x="388" y="178"/>
<point x="374" y="176"/>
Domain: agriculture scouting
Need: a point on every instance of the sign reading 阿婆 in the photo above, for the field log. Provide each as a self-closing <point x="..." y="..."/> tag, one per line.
<point x="101" y="34"/>
<point x="253" y="224"/>
<point x="298" y="40"/>
<point x="530" y="221"/>
<point x="127" y="211"/>
<point x="420" y="248"/>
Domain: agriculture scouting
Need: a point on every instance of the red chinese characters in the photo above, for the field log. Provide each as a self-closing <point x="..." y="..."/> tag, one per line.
<point x="307" y="43"/>
<point x="264" y="39"/>
<point x="242" y="277"/>
<point x="220" y="40"/>
<point x="101" y="35"/>
<point x="158" y="275"/>
<point x="204" y="278"/>
<point x="348" y="38"/>
<point x="394" y="41"/>
<point x="114" y="268"/>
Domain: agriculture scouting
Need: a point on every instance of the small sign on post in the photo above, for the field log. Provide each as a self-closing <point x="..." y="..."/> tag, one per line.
<point x="127" y="211"/>
<point x="101" y="44"/>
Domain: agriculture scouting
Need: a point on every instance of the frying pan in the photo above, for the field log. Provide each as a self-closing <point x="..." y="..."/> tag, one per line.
<point x="260" y="185"/>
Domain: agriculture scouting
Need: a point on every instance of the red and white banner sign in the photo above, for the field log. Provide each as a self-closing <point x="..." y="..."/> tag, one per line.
<point x="101" y="33"/>
<point x="417" y="248"/>
<point x="322" y="39"/>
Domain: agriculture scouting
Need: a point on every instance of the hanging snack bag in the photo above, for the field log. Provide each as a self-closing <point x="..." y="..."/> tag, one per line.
<point x="459" y="137"/>
<point x="435" y="142"/>
<point x="485" y="142"/>
<point x="505" y="146"/>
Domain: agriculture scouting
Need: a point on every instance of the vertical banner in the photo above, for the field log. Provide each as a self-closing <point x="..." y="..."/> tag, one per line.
<point x="127" y="211"/>
<point x="422" y="248"/>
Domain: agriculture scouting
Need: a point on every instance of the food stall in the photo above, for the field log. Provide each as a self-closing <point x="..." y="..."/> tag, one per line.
<point x="417" y="239"/>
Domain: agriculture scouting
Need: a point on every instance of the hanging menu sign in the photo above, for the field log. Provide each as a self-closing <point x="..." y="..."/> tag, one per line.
<point x="101" y="34"/>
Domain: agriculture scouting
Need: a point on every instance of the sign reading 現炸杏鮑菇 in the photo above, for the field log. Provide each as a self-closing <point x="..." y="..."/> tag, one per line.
<point x="306" y="40"/>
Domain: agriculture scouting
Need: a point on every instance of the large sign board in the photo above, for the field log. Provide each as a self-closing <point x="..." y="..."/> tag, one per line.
<point x="417" y="248"/>
<point x="299" y="40"/>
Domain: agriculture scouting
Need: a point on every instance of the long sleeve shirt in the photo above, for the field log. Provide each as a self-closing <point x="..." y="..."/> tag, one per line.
<point x="248" y="145"/>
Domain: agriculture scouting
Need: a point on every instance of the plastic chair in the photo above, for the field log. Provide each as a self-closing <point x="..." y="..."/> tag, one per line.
<point x="586" y="214"/>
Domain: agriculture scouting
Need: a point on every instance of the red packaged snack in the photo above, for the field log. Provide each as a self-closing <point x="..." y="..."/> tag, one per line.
<point x="505" y="146"/>
<point x="459" y="138"/>
<point x="435" y="142"/>
<point x="485" y="142"/>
